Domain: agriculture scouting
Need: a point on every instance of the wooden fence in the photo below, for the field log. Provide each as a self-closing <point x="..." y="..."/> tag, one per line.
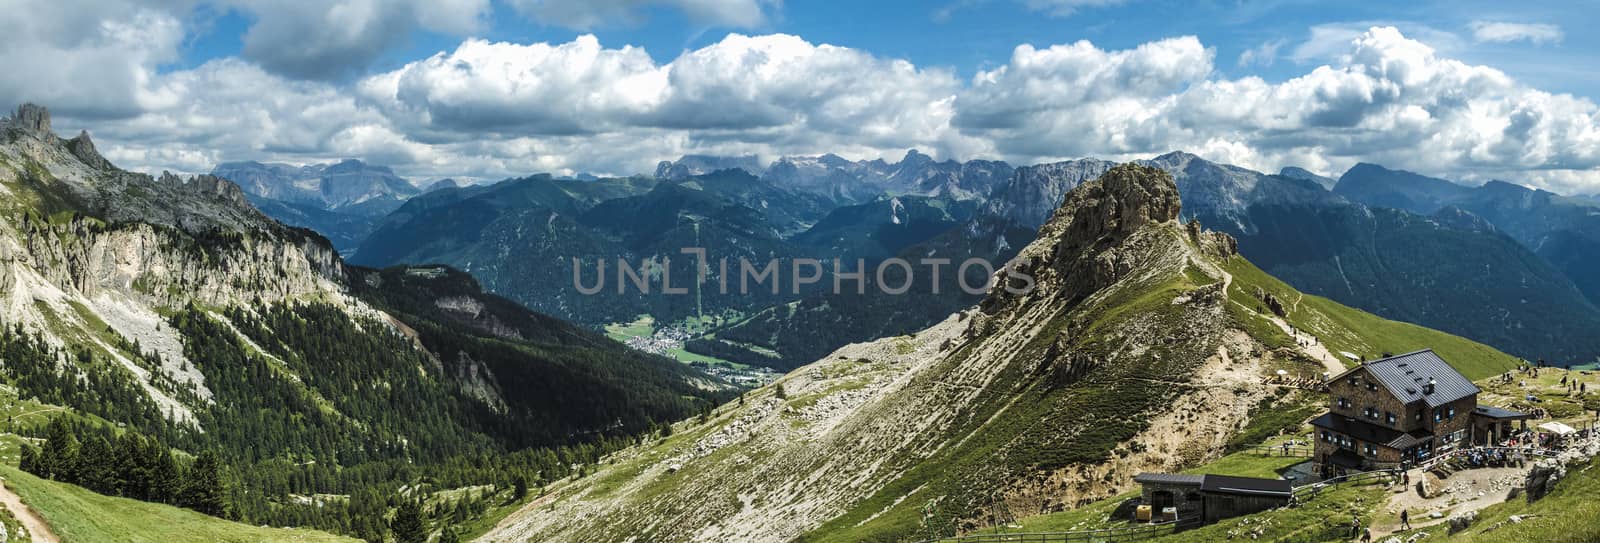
<point x="1106" y="535"/>
<point x="1309" y="491"/>
<point x="1294" y="451"/>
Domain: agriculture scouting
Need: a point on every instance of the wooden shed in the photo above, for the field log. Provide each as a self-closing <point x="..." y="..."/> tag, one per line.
<point x="1212" y="497"/>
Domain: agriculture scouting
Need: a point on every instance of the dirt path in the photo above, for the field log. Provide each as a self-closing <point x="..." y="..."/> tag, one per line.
<point x="38" y="530"/>
<point x="1315" y="350"/>
<point x="1465" y="486"/>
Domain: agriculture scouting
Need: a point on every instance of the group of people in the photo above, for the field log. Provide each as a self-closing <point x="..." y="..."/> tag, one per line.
<point x="1496" y="458"/>
<point x="1573" y="385"/>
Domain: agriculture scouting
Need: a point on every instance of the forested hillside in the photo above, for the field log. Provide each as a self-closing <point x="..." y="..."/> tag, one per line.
<point x="189" y="335"/>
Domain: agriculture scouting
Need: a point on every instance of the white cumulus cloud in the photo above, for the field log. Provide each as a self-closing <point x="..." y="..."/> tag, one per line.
<point x="491" y="109"/>
<point x="1387" y="98"/>
<point x="325" y="39"/>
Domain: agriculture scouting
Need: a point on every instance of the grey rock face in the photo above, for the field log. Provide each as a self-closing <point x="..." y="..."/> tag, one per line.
<point x="1542" y="479"/>
<point x="32" y="117"/>
<point x="692" y="165"/>
<point x="83" y="148"/>
<point x="1034" y="192"/>
<point x="222" y="188"/>
<point x="335" y="186"/>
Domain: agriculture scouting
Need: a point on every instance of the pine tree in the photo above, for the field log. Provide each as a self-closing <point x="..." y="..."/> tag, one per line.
<point x="165" y="480"/>
<point x="204" y="489"/>
<point x="97" y="466"/>
<point x="59" y="459"/>
<point x="449" y="536"/>
<point x="407" y="524"/>
<point x="26" y="463"/>
<point x="519" y="488"/>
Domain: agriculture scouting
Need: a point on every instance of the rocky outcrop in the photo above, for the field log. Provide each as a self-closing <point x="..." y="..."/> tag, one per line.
<point x="1217" y="244"/>
<point x="1271" y="302"/>
<point x="1085" y="246"/>
<point x="1460" y="522"/>
<point x="171" y="270"/>
<point x="1542" y="478"/>
<point x="216" y="186"/>
<point x="83" y="148"/>
<point x="32" y="118"/>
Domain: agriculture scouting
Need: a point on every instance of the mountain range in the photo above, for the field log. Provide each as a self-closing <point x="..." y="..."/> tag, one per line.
<point x="1564" y="231"/>
<point x="1524" y="293"/>
<point x="1139" y="349"/>
<point x="173" y="314"/>
<point x="342" y="200"/>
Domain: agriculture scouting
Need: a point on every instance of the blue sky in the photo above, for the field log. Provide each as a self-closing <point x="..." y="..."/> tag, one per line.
<point x="492" y="88"/>
<point x="967" y="35"/>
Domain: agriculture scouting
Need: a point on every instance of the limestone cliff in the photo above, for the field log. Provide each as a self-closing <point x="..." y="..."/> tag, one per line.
<point x="92" y="256"/>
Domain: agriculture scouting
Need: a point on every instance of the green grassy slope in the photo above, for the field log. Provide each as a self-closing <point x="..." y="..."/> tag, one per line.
<point x="1346" y="329"/>
<point x="76" y="514"/>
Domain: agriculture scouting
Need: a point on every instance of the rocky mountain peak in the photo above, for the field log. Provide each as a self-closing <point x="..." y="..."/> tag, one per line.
<point x="32" y="117"/>
<point x="1126" y="198"/>
<point x="915" y="158"/>
<point x="1086" y="245"/>
<point x="83" y="148"/>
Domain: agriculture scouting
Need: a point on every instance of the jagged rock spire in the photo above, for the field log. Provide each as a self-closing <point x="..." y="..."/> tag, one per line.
<point x="32" y="117"/>
<point x="1081" y="249"/>
<point x="83" y="148"/>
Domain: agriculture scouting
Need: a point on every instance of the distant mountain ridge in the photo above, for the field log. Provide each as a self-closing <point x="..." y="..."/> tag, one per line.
<point x="342" y="200"/>
<point x="1433" y="266"/>
<point x="1360" y="253"/>
<point x="331" y="186"/>
<point x="847" y="181"/>
<point x="1563" y="230"/>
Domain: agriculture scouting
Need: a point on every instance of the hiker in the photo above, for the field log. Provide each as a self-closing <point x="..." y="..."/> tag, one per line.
<point x="1286" y="449"/>
<point x="1355" y="524"/>
<point x="1366" y="535"/>
<point x="1405" y="519"/>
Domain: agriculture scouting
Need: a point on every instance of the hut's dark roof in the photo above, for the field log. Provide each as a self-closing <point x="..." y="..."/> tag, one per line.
<point x="1227" y="484"/>
<point x="1406" y="376"/>
<point x="1183" y="479"/>
<point x="1222" y="484"/>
